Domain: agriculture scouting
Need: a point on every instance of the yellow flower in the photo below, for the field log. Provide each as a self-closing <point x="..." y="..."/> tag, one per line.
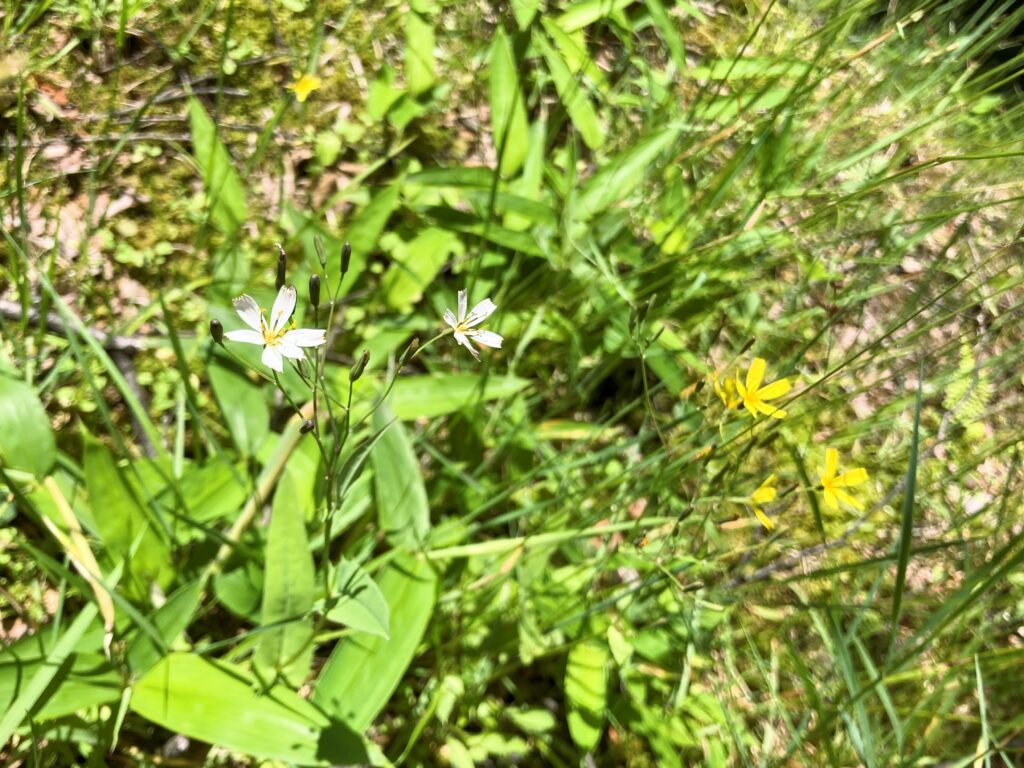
<point x="754" y="395"/>
<point x="304" y="86"/>
<point x="764" y="494"/>
<point x="832" y="485"/>
<point x="725" y="388"/>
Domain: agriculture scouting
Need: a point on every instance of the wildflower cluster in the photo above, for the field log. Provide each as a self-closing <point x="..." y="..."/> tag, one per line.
<point x="754" y="396"/>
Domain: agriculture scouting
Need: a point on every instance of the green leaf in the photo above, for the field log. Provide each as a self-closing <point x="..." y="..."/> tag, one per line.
<point x="223" y="185"/>
<point x="243" y="404"/>
<point x="219" y="703"/>
<point x="586" y="12"/>
<point x="508" y="114"/>
<point x="623" y="174"/>
<point x="525" y="11"/>
<point x="415" y="265"/>
<point x="361" y="605"/>
<point x="285" y="651"/>
<point x="586" y="693"/>
<point x="364" y="671"/>
<point x="28" y="697"/>
<point x="907" y="516"/>
<point x="26" y="440"/>
<point x="570" y="91"/>
<point x="402" y="508"/>
<point x="126" y="525"/>
<point x="459" y="176"/>
<point x="415" y="397"/>
<point x="419" y="53"/>
<point x="170" y="620"/>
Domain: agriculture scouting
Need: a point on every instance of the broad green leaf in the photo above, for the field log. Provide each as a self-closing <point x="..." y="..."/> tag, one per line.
<point x="285" y="651"/>
<point x="223" y="185"/>
<point x="402" y="508"/>
<point x="170" y="620"/>
<point x="220" y="703"/>
<point x="415" y="265"/>
<point x="415" y="397"/>
<point x="574" y="97"/>
<point x="586" y="693"/>
<point x="243" y="404"/>
<point x="419" y="53"/>
<point x="573" y="50"/>
<point x="360" y="603"/>
<point x="528" y="185"/>
<point x="586" y="12"/>
<point x="460" y="221"/>
<point x="26" y="440"/>
<point x="508" y="114"/>
<point x="212" y="491"/>
<point x="364" y="671"/>
<point x="383" y="93"/>
<point x="623" y="174"/>
<point x="126" y="525"/>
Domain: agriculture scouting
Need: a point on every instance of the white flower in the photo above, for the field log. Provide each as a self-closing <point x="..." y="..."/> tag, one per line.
<point x="464" y="326"/>
<point x="276" y="340"/>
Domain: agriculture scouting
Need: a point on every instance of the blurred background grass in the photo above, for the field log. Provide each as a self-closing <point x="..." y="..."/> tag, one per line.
<point x="652" y="192"/>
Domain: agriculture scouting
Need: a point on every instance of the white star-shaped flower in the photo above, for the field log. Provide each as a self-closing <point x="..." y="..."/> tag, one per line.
<point x="464" y="326"/>
<point x="277" y="341"/>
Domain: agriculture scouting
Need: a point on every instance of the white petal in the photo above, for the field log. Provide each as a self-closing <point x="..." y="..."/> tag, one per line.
<point x="289" y="349"/>
<point x="305" y="337"/>
<point x="272" y="358"/>
<point x="465" y="342"/>
<point x="249" y="337"/>
<point x="480" y="312"/>
<point x="463" y="303"/>
<point x="284" y="305"/>
<point x="249" y="311"/>
<point x="449" y="317"/>
<point x="487" y="338"/>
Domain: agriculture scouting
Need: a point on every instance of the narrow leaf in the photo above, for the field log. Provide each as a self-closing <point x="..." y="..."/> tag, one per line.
<point x="508" y="114"/>
<point x="402" y="507"/>
<point x="586" y="693"/>
<point x="223" y="185"/>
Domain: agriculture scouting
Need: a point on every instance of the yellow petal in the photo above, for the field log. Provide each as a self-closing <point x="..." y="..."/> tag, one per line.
<point x="830" y="499"/>
<point x="851" y="477"/>
<point x="848" y="499"/>
<point x="769" y="410"/>
<point x="831" y="464"/>
<point x="756" y="374"/>
<point x="750" y="407"/>
<point x="739" y="386"/>
<point x="765" y="520"/>
<point x="773" y="390"/>
<point x="765" y="492"/>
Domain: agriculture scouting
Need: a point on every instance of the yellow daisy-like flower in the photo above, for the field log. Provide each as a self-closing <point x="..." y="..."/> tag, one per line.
<point x="764" y="494"/>
<point x="833" y="485"/>
<point x="304" y="86"/>
<point x="753" y="395"/>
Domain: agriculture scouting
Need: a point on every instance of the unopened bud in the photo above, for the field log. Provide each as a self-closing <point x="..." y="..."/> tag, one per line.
<point x="321" y="254"/>
<point x="307" y="427"/>
<point x="281" y="263"/>
<point x="217" y="331"/>
<point x="359" y="366"/>
<point x="314" y="290"/>
<point x="411" y="350"/>
<point x="346" y="257"/>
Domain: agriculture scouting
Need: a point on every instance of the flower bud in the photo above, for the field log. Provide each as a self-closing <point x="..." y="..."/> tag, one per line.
<point x="314" y="290"/>
<point x="281" y="263"/>
<point x="307" y="427"/>
<point x="217" y="331"/>
<point x="359" y="366"/>
<point x="321" y="254"/>
<point x="411" y="350"/>
<point x="346" y="257"/>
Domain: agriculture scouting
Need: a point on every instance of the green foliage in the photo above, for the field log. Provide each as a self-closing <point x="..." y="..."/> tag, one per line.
<point x="550" y="556"/>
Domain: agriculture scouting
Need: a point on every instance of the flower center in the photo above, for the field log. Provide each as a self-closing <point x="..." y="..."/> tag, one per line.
<point x="270" y="337"/>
